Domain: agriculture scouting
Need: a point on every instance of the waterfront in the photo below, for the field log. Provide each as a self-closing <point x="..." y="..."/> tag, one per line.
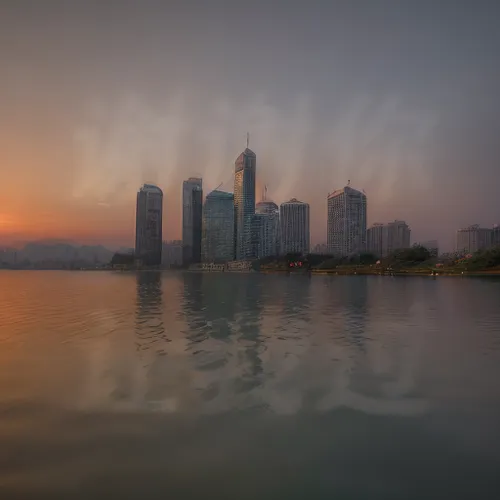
<point x="182" y="385"/>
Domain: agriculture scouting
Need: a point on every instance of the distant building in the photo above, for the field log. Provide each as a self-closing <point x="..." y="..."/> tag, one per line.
<point x="495" y="235"/>
<point x="375" y="239"/>
<point x="172" y="254"/>
<point x="218" y="227"/>
<point x="473" y="238"/>
<point x="148" y="229"/>
<point x="192" y="208"/>
<point x="320" y="249"/>
<point x="244" y="204"/>
<point x="432" y="246"/>
<point x="397" y="236"/>
<point x="294" y="227"/>
<point x="266" y="228"/>
<point x="346" y="226"/>
<point x="383" y="239"/>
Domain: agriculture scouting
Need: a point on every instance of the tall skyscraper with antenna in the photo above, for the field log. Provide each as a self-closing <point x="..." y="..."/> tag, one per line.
<point x="244" y="203"/>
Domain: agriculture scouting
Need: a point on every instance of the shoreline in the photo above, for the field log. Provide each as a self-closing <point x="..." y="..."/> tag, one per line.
<point x="349" y="272"/>
<point x="319" y="272"/>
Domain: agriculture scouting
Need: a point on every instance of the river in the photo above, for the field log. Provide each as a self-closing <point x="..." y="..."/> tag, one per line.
<point x="248" y="386"/>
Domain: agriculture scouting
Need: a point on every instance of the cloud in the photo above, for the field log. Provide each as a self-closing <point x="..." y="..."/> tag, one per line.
<point x="374" y="143"/>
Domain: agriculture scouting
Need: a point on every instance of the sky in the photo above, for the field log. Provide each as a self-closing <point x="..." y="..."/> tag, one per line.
<point x="402" y="98"/>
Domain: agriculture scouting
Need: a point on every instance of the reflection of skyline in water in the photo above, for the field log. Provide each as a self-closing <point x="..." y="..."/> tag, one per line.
<point x="220" y="342"/>
<point x="273" y="349"/>
<point x="293" y="372"/>
<point x="149" y="320"/>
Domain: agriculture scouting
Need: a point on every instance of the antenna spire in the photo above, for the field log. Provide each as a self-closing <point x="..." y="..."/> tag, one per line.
<point x="248" y="139"/>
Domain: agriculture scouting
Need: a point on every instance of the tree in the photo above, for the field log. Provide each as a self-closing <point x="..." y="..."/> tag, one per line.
<point x="122" y="259"/>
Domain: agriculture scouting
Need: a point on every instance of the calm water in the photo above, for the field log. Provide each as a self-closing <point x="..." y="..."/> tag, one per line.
<point x="248" y="386"/>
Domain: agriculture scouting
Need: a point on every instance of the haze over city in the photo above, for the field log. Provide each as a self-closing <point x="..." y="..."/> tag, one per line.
<point x="102" y="97"/>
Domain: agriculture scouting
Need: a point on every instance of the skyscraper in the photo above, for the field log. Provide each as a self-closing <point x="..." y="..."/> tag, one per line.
<point x="244" y="204"/>
<point x="346" y="227"/>
<point x="218" y="227"/>
<point x="148" y="225"/>
<point x="294" y="227"/>
<point x="397" y="236"/>
<point x="375" y="239"/>
<point x="267" y="228"/>
<point x="192" y="208"/>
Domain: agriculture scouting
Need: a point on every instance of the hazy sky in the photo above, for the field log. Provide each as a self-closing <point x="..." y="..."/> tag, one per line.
<point x="97" y="97"/>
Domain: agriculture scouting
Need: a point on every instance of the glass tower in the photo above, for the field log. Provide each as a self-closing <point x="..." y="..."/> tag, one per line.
<point x="192" y="199"/>
<point x="244" y="204"/>
<point x="148" y="225"/>
<point x="218" y="227"/>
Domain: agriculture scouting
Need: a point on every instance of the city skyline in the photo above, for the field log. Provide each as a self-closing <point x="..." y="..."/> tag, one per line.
<point x="402" y="101"/>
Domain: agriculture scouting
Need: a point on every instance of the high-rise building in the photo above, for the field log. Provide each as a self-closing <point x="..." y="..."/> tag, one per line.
<point x="244" y="204"/>
<point x="266" y="228"/>
<point x="192" y="208"/>
<point x="397" y="236"/>
<point x="218" y="227"/>
<point x="346" y="227"/>
<point x="473" y="238"/>
<point x="383" y="239"/>
<point x="375" y="239"/>
<point x="294" y="227"/>
<point x="148" y="225"/>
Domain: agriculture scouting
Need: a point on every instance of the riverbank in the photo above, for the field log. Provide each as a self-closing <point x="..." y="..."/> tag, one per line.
<point x="379" y="272"/>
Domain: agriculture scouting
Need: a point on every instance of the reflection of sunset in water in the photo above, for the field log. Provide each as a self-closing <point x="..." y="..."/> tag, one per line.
<point x="212" y="369"/>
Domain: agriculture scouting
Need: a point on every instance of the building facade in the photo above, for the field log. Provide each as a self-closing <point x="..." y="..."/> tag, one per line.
<point x="473" y="238"/>
<point x="148" y="225"/>
<point x="218" y="227"/>
<point x="383" y="239"/>
<point x="294" y="227"/>
<point x="192" y="208"/>
<point x="266" y="229"/>
<point x="346" y="226"/>
<point x="244" y="204"/>
<point x="375" y="239"/>
<point x="495" y="235"/>
<point x="397" y="237"/>
<point x="172" y="254"/>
